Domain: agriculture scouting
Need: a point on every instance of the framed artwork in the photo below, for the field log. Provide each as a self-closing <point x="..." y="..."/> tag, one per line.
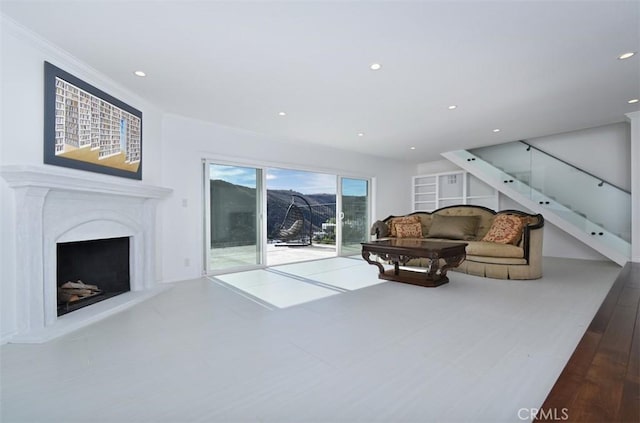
<point x="87" y="129"/>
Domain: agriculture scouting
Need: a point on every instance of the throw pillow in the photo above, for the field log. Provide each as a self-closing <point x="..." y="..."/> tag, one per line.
<point x="453" y="227"/>
<point x="404" y="219"/>
<point x="505" y="229"/>
<point x="409" y="230"/>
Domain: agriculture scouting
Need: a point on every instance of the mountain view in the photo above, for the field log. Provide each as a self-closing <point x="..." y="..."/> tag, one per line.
<point x="235" y="219"/>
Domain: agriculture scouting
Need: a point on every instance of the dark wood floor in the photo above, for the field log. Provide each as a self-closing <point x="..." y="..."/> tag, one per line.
<point x="601" y="381"/>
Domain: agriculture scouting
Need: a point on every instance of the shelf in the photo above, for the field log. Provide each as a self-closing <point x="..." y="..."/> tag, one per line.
<point x="451" y="188"/>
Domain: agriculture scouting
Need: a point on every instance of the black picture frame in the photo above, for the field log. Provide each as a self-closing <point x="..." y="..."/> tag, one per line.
<point x="88" y="129"/>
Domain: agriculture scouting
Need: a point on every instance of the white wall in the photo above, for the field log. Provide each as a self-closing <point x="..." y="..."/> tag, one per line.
<point x="602" y="151"/>
<point x="187" y="141"/>
<point x="436" y="166"/>
<point x="21" y="121"/>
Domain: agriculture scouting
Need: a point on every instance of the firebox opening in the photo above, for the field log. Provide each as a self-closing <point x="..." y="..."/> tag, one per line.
<point x="91" y="271"/>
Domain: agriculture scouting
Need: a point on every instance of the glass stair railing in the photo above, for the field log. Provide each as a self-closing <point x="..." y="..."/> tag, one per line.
<point x="595" y="211"/>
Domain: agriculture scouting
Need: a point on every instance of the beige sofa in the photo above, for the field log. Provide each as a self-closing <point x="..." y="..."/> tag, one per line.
<point x="515" y="253"/>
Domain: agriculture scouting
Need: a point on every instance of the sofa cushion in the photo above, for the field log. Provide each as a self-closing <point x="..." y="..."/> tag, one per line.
<point x="425" y="221"/>
<point x="403" y="219"/>
<point x="490" y="249"/>
<point x="505" y="229"/>
<point x="494" y="249"/>
<point x="485" y="216"/>
<point x="408" y="230"/>
<point x="496" y="260"/>
<point x="453" y="227"/>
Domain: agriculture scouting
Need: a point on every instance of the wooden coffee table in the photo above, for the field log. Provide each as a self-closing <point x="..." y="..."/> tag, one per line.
<point x="400" y="251"/>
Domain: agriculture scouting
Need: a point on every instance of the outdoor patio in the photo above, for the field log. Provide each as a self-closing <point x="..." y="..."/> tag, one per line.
<point x="225" y="258"/>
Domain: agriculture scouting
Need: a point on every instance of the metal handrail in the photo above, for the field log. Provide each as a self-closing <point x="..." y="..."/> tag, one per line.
<point x="602" y="181"/>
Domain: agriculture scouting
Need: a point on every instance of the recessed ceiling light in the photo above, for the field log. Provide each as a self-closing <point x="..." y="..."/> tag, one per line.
<point x="627" y="55"/>
<point x="496" y="130"/>
<point x="361" y="134"/>
<point x="412" y="148"/>
<point x="139" y="73"/>
<point x="452" y="107"/>
<point x="282" y="113"/>
<point x="375" y="66"/>
<point x="633" y="101"/>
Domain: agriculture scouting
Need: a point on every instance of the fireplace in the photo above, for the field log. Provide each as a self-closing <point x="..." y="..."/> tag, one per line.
<point x="88" y="272"/>
<point x="79" y="214"/>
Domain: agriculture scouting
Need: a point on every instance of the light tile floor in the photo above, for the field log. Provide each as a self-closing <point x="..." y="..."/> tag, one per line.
<point x="473" y="350"/>
<point x="293" y="284"/>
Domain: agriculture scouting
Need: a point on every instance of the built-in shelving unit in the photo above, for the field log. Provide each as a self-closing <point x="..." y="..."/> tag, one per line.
<point x="434" y="191"/>
<point x="425" y="190"/>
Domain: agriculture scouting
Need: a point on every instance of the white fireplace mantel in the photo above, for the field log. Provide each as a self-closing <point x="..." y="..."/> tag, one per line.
<point x="53" y="205"/>
<point x="51" y="177"/>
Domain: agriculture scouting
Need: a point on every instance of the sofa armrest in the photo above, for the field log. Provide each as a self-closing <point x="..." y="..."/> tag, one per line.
<point x="532" y="237"/>
<point x="379" y="229"/>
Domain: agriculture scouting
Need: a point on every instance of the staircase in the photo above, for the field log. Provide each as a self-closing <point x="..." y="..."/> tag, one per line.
<point x="589" y="208"/>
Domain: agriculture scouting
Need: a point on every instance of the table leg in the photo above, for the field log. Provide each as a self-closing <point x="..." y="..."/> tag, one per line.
<point x="433" y="272"/>
<point x="366" y="255"/>
<point x="453" y="261"/>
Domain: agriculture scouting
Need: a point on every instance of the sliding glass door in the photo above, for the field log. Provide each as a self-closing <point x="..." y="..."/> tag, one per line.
<point x="256" y="217"/>
<point x="354" y="215"/>
<point x="234" y="223"/>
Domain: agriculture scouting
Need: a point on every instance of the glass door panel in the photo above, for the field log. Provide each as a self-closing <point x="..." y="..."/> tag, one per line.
<point x="301" y="216"/>
<point x="235" y="205"/>
<point x="354" y="215"/>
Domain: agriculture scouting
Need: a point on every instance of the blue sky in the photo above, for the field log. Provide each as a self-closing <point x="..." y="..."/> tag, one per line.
<point x="244" y="176"/>
<point x="297" y="180"/>
<point x="304" y="182"/>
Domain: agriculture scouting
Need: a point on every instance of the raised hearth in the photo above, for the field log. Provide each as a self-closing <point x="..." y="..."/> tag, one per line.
<point x="55" y="205"/>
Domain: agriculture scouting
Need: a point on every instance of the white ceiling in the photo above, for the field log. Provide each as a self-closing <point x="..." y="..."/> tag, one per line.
<point x="528" y="68"/>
